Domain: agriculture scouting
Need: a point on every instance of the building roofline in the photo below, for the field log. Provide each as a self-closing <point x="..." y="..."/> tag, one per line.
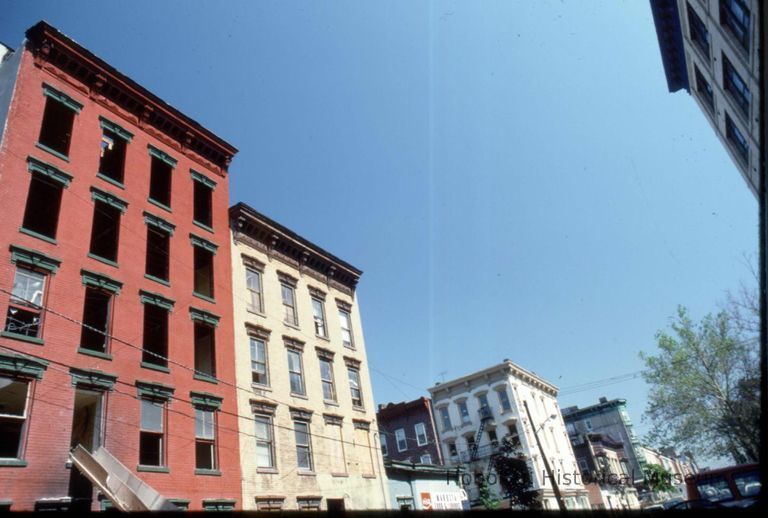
<point x="399" y="465"/>
<point x="576" y="411"/>
<point x="44" y="38"/>
<point x="507" y="366"/>
<point x="387" y="411"/>
<point x="316" y="257"/>
<point x="666" y="18"/>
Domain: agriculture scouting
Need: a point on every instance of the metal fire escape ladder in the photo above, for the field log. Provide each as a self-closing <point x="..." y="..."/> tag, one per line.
<point x="485" y="416"/>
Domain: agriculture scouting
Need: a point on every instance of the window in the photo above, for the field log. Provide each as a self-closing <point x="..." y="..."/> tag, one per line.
<point x="308" y="504"/>
<point x="289" y="304"/>
<point x="426" y="459"/>
<point x="87" y="419"/>
<point x="504" y="399"/>
<point x="25" y="309"/>
<point x="588" y="424"/>
<point x="295" y="372"/>
<point x="326" y="375"/>
<point x="203" y="272"/>
<point x="265" y="446"/>
<point x="734" y="14"/>
<point x="402" y="442"/>
<point x="346" y="329"/>
<point x="698" y="31"/>
<point x="13" y="416"/>
<point x="152" y="434"/>
<point x="483" y="400"/>
<point x="421" y="434"/>
<point x="384" y="450"/>
<point x="445" y="418"/>
<point x="253" y="285"/>
<point x="205" y="439"/>
<point x="570" y="428"/>
<point x="105" y="231"/>
<point x="41" y="214"/>
<point x="470" y="442"/>
<point x="354" y="386"/>
<point x="158" y="253"/>
<point x="303" y="445"/>
<point x="452" y="451"/>
<point x="492" y="437"/>
<point x="203" y="200"/>
<point x="156" y="310"/>
<point x="259" y="371"/>
<point x="114" y="141"/>
<point x="269" y="504"/>
<point x="58" y="119"/>
<point x="735" y="86"/>
<point x="464" y="412"/>
<point x="736" y="138"/>
<point x="318" y="313"/>
<point x="748" y="483"/>
<point x="704" y="89"/>
<point x="205" y="350"/>
<point x="96" y="318"/>
<point x="160" y="177"/>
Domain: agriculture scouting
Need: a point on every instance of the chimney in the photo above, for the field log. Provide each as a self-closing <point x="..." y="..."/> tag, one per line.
<point x="603" y="399"/>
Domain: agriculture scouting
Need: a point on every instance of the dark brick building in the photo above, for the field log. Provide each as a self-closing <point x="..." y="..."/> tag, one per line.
<point x="408" y="432"/>
<point x="115" y="283"/>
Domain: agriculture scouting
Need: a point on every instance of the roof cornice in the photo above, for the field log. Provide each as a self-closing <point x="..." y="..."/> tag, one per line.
<point x="507" y="367"/>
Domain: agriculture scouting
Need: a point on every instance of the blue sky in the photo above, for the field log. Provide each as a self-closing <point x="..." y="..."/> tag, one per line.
<point x="513" y="177"/>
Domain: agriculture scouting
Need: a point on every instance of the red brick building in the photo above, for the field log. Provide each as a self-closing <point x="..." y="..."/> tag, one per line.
<point x="408" y="432"/>
<point x="115" y="284"/>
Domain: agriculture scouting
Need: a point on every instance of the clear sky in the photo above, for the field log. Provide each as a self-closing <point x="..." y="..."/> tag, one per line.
<point x="513" y="177"/>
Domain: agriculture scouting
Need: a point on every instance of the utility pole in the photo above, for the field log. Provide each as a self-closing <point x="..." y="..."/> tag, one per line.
<point x="556" y="489"/>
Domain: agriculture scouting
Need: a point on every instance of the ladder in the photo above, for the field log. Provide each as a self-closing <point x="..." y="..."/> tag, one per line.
<point x="485" y="416"/>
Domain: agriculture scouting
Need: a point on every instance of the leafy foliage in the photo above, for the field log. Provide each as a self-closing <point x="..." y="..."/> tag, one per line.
<point x="484" y="494"/>
<point x="705" y="387"/>
<point x="657" y="478"/>
<point x="514" y="474"/>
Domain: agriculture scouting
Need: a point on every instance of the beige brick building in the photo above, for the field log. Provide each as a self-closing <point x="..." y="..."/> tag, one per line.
<point x="308" y="436"/>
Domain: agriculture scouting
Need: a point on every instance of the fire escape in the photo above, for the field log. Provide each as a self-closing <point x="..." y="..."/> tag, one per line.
<point x="486" y="416"/>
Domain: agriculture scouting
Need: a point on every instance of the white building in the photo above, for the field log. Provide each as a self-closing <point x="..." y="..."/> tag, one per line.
<point x="498" y="394"/>
<point x="710" y="48"/>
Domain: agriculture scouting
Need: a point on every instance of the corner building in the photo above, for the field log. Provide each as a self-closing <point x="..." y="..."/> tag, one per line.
<point x="115" y="285"/>
<point x="309" y="438"/>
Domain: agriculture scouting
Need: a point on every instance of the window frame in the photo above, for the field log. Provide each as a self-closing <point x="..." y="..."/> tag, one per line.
<point x="259" y="294"/>
<point x="696" y="26"/>
<point x="296" y="373"/>
<point x="63" y="101"/>
<point x="704" y="88"/>
<point x="118" y="134"/>
<point x="502" y="395"/>
<point x="358" y="402"/>
<point x="735" y="86"/>
<point x="400" y="436"/>
<point x="428" y="456"/>
<point x="736" y="139"/>
<point x="163" y="456"/>
<point x="200" y="181"/>
<point x="331" y="383"/>
<point x="210" y="442"/>
<point x="108" y="321"/>
<point x="321" y="327"/>
<point x="345" y="314"/>
<point x="384" y="447"/>
<point x="263" y="341"/>
<point x="290" y="312"/>
<point x="445" y="418"/>
<point x="424" y="432"/>
<point x="303" y="447"/>
<point x="268" y="420"/>
<point x="734" y="26"/>
<point x="21" y="446"/>
<point x="28" y="306"/>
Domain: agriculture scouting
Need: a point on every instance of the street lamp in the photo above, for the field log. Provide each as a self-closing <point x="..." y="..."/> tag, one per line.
<point x="556" y="489"/>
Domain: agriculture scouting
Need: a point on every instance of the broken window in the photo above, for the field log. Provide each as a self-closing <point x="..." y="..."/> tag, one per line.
<point x="96" y="316"/>
<point x="203" y="204"/>
<point x="259" y="371"/>
<point x="56" y="129"/>
<point x="253" y="284"/>
<point x="105" y="231"/>
<point x="86" y="419"/>
<point x="160" y="182"/>
<point x="112" y="162"/>
<point x="205" y="350"/>
<point x="205" y="439"/>
<point x="353" y="375"/>
<point x="13" y="416"/>
<point x="203" y="272"/>
<point x="158" y="252"/>
<point x="41" y="214"/>
<point x="318" y="314"/>
<point x="25" y="309"/>
<point x="152" y="432"/>
<point x="155" y="335"/>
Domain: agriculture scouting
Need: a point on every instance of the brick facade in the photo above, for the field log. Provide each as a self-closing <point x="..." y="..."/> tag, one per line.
<point x="42" y="469"/>
<point x="406" y="417"/>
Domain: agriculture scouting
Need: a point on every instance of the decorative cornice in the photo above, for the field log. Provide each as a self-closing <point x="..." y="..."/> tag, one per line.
<point x="293" y="343"/>
<point x="35" y="165"/>
<point x="101" y="281"/>
<point x="21" y="364"/>
<point x="324" y="353"/>
<point x="260" y="406"/>
<point x="316" y="293"/>
<point x="154" y="390"/>
<point x="352" y="362"/>
<point x="361" y="424"/>
<point x="344" y="305"/>
<point x="205" y="400"/>
<point x="92" y="378"/>
<point x="301" y="414"/>
<point x="20" y="254"/>
<point x="252" y="262"/>
<point x="206" y="317"/>
<point x="333" y="419"/>
<point x="257" y="331"/>
<point x="287" y="278"/>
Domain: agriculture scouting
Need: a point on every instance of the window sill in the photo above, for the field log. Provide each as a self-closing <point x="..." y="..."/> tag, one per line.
<point x="109" y="180"/>
<point x="254" y="312"/>
<point x="267" y="471"/>
<point x="292" y="326"/>
<point x="351" y="347"/>
<point x="154" y="367"/>
<point x="323" y="338"/>
<point x="38" y="236"/>
<point x="306" y="473"/>
<point x="23" y="338"/>
<point x="103" y="260"/>
<point x="369" y="476"/>
<point x="328" y="402"/>
<point x="203" y="226"/>
<point x="208" y="472"/>
<point x="257" y="386"/>
<point x="157" y="279"/>
<point x="13" y="463"/>
<point x="52" y="151"/>
<point x="204" y="297"/>
<point x="159" y="204"/>
<point x="358" y="409"/>
<point x="340" y="475"/>
<point x="97" y="354"/>
<point x="206" y="378"/>
<point x="153" y="469"/>
<point x="300" y="396"/>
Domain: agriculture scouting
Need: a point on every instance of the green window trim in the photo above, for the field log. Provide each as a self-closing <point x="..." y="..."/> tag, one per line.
<point x="63" y="98"/>
<point x="35" y="165"/>
<point x="148" y="297"/>
<point x="154" y="390"/>
<point x="115" y="128"/>
<point x="101" y="281"/>
<point x="203" y="243"/>
<point x="222" y="504"/>
<point x="92" y="378"/>
<point x="199" y="177"/>
<point x="157" y="221"/>
<point x="109" y="198"/>
<point x="203" y="316"/>
<point x="181" y="503"/>
<point x="21" y="364"/>
<point x="205" y="400"/>
<point x="162" y="155"/>
<point x="33" y="258"/>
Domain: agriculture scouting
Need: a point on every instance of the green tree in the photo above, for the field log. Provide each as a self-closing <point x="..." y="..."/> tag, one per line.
<point x="657" y="478"/>
<point x="514" y="474"/>
<point x="704" y="392"/>
<point x="484" y="494"/>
